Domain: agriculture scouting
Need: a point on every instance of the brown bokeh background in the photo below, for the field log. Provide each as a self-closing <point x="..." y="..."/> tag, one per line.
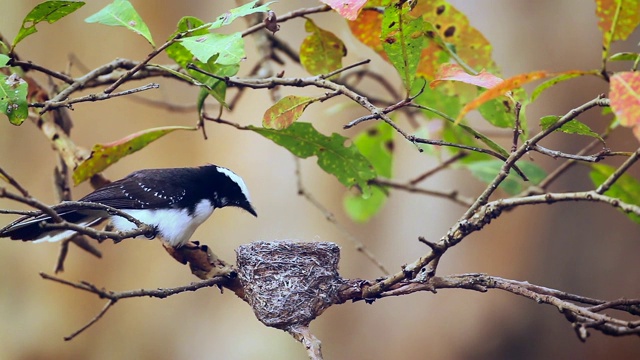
<point x="588" y="249"/>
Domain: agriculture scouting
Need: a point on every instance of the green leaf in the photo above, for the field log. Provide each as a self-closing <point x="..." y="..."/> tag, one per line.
<point x="376" y="144"/>
<point x="13" y="98"/>
<point x="362" y="210"/>
<point x="487" y="170"/>
<point x="4" y="60"/>
<point x="626" y="188"/>
<point x="285" y="112"/>
<point x="498" y="113"/>
<point x="122" y="13"/>
<point x="49" y="11"/>
<point x="558" y="79"/>
<point x="344" y="162"/>
<point x="183" y="57"/>
<point x="624" y="56"/>
<point x="450" y="105"/>
<point x="103" y="156"/>
<point x="229" y="48"/>
<point x="322" y="51"/>
<point x="403" y="40"/>
<point x="571" y="127"/>
<point x="490" y="143"/>
<point x="244" y="10"/>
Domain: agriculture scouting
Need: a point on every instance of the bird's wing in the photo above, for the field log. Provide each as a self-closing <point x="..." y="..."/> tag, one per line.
<point x="144" y="189"/>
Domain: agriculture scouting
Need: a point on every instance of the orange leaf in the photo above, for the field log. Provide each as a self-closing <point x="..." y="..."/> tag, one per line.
<point x="456" y="73"/>
<point x="366" y="28"/>
<point x="507" y="85"/>
<point x="624" y="94"/>
<point x="628" y="18"/>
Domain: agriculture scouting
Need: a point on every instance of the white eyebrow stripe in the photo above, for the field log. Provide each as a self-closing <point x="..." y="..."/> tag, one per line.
<point x="237" y="179"/>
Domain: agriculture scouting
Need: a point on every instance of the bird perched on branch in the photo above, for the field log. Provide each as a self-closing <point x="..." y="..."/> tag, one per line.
<point x="173" y="201"/>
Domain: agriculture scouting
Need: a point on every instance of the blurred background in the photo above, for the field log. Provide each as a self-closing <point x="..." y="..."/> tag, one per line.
<point x="587" y="249"/>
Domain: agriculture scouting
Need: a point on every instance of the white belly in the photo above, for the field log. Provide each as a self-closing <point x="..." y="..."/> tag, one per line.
<point x="174" y="226"/>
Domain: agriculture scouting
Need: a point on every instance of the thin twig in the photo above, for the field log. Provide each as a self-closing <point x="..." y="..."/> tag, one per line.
<point x="557" y="172"/>
<point x="95" y="319"/>
<point x="467" y="147"/>
<point x="13" y="182"/>
<point x="60" y="223"/>
<point x="360" y="246"/>
<point x="451" y="195"/>
<point x="619" y="171"/>
<point x="445" y="164"/>
<point x="115" y="296"/>
<point x="144" y="62"/>
<point x="48" y="105"/>
<point x="317" y="81"/>
<point x="288" y="16"/>
<point x="516" y="128"/>
<point x="29" y="65"/>
<point x="559" y="154"/>
<point x="581" y="315"/>
<point x="515" y="156"/>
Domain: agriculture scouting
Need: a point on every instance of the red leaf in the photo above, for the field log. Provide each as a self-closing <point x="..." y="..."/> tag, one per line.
<point x="624" y="94"/>
<point x="349" y="9"/>
<point x="456" y="73"/>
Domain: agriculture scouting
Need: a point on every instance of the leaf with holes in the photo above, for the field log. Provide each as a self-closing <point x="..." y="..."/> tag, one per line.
<point x="285" y="112"/>
<point x="229" y="48"/>
<point x="322" y="51"/>
<point x="122" y="13"/>
<point x="244" y="10"/>
<point x="49" y="11"/>
<point x="403" y="40"/>
<point x="13" y="98"/>
<point x="626" y="188"/>
<point x="346" y="163"/>
<point x="182" y="56"/>
<point x="451" y="28"/>
<point x="624" y="94"/>
<point x="103" y="156"/>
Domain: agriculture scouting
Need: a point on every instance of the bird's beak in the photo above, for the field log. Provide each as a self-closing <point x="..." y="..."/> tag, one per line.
<point x="250" y="210"/>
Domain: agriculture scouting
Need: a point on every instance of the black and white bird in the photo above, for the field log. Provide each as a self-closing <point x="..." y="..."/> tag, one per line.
<point x="174" y="201"/>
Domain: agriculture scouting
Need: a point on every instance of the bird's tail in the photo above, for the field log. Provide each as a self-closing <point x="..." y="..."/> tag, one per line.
<point x="29" y="228"/>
